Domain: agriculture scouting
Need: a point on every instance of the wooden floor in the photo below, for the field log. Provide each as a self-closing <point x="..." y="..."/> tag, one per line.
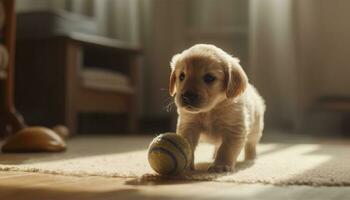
<point x="32" y="186"/>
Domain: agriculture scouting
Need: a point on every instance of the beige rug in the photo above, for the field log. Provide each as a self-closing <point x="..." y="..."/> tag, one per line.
<point x="279" y="164"/>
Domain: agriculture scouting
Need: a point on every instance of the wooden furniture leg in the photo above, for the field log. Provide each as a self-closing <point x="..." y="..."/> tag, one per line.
<point x="71" y="64"/>
<point x="10" y="120"/>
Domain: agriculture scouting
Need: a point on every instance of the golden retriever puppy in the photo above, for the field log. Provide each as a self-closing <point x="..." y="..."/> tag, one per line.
<point x="215" y="102"/>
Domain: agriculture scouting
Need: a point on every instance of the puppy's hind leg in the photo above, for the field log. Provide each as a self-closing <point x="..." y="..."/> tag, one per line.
<point x="253" y="139"/>
<point x="226" y="155"/>
<point x="215" y="152"/>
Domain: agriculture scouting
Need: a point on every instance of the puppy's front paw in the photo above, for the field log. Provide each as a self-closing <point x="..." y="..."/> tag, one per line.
<point x="220" y="168"/>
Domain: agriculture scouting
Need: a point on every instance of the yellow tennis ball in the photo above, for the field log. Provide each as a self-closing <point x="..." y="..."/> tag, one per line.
<point x="169" y="154"/>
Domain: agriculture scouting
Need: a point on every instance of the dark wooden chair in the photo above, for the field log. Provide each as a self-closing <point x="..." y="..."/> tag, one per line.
<point x="50" y="78"/>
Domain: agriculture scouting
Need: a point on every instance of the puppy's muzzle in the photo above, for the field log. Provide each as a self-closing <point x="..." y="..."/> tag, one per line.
<point x="190" y="98"/>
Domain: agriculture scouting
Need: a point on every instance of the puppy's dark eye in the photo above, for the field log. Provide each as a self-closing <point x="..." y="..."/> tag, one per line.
<point x="182" y="76"/>
<point x="208" y="78"/>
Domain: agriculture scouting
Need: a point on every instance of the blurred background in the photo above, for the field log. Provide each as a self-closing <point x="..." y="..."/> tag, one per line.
<point x="103" y="66"/>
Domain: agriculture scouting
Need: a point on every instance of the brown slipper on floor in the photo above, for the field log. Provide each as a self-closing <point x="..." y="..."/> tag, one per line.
<point x="34" y="139"/>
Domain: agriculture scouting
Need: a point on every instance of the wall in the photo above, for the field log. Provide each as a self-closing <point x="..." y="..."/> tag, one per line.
<point x="323" y="57"/>
<point x="162" y="37"/>
<point x="273" y="59"/>
<point x="299" y="52"/>
<point x="334" y="46"/>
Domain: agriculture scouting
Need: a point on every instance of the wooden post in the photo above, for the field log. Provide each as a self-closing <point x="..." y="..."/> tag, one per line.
<point x="10" y="43"/>
<point x="10" y="121"/>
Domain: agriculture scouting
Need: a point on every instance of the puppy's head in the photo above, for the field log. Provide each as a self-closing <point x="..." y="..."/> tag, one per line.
<point x="203" y="76"/>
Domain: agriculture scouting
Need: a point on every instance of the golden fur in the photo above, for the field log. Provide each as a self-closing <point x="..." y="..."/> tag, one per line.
<point x="228" y="111"/>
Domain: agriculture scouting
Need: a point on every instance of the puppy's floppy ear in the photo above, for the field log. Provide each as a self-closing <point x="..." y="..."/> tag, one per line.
<point x="172" y="86"/>
<point x="174" y="61"/>
<point x="235" y="78"/>
<point x="172" y="81"/>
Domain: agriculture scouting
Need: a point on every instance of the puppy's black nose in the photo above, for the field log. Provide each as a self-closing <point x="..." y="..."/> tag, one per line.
<point x="190" y="97"/>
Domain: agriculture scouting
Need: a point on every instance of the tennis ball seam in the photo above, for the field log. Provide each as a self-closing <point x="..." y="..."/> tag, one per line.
<point x="178" y="148"/>
<point x="167" y="152"/>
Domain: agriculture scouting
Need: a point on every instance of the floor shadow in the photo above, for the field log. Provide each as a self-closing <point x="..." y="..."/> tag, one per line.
<point x="202" y="167"/>
<point x="156" y="179"/>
